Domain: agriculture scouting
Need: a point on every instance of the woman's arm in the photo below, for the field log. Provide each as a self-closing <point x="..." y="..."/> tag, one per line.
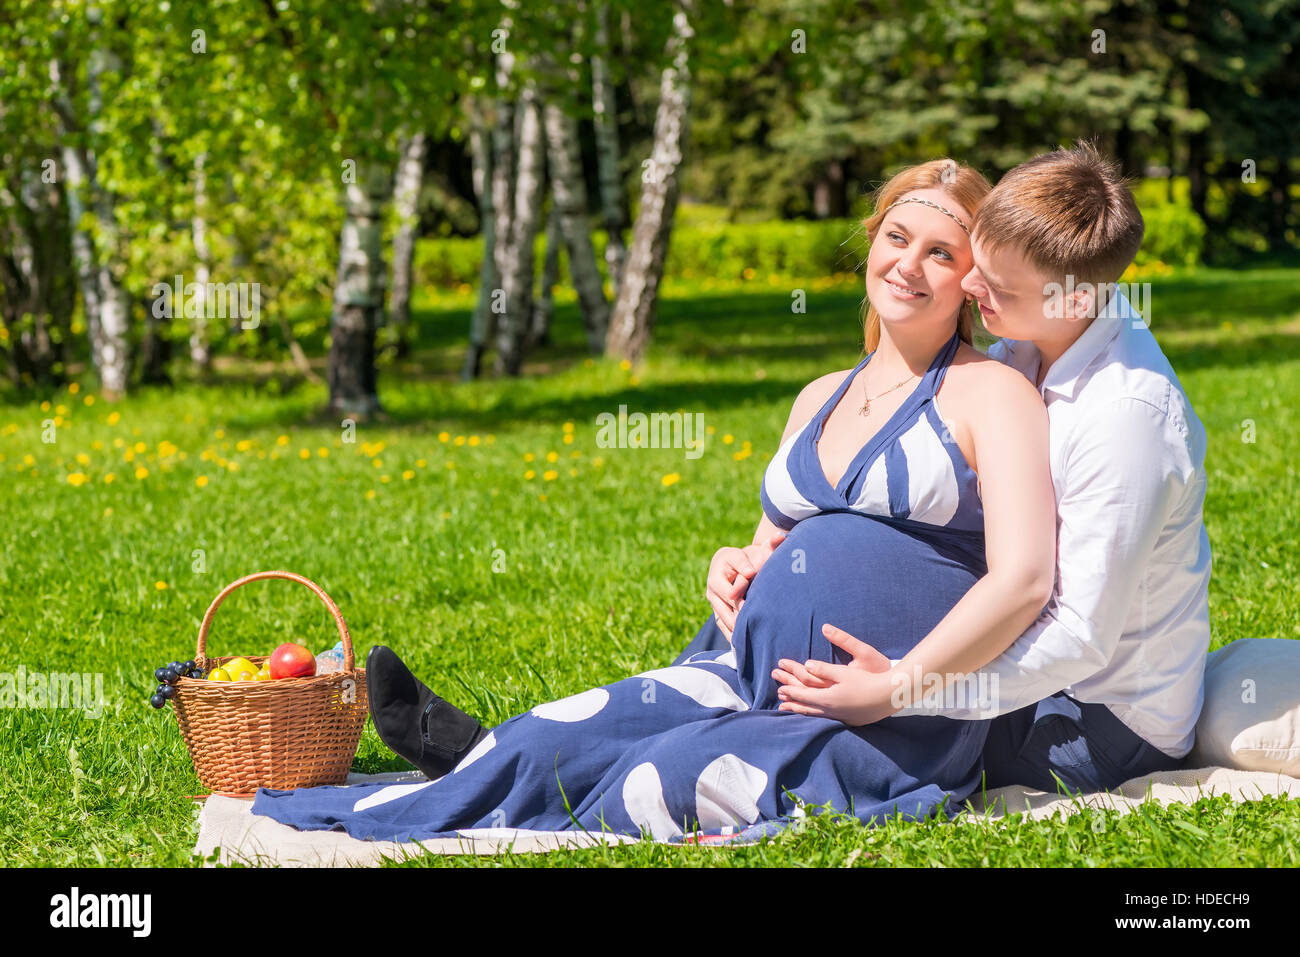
<point x="1008" y="427"/>
<point x="732" y="569"/>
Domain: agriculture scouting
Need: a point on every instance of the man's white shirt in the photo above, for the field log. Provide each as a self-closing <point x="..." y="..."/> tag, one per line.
<point x="1128" y="622"/>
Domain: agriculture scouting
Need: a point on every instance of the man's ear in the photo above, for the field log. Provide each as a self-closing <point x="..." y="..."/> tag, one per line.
<point x="1081" y="303"/>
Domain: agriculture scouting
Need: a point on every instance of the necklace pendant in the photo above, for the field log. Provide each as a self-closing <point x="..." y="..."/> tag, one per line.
<point x="866" y="408"/>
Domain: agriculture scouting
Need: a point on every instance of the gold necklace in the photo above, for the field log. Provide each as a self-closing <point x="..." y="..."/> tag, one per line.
<point x="868" y="399"/>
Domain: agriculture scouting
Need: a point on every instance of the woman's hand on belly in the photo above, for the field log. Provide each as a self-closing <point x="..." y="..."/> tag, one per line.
<point x="858" y="693"/>
<point x="730" y="573"/>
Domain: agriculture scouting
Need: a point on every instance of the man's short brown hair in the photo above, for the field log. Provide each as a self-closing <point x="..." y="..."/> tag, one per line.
<point x="1070" y="212"/>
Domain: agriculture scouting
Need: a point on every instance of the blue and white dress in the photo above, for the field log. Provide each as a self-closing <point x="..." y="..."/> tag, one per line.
<point x="699" y="748"/>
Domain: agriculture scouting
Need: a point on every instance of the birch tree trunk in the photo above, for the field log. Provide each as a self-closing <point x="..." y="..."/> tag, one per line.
<point x="634" y="310"/>
<point x="483" y="177"/>
<point x="612" y="200"/>
<point x="406" y="194"/>
<point x="200" y="350"/>
<point x="518" y="266"/>
<point x="539" y="332"/>
<point x="359" y="295"/>
<point x="569" y="189"/>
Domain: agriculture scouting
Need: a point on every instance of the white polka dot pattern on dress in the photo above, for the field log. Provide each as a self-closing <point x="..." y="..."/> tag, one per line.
<point x="704" y="687"/>
<point x="391" y="793"/>
<point x="480" y="749"/>
<point x="727" y="793"/>
<point x="643" y="797"/>
<point x="577" y="707"/>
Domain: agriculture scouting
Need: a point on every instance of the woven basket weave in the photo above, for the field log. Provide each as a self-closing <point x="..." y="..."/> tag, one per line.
<point x="284" y="734"/>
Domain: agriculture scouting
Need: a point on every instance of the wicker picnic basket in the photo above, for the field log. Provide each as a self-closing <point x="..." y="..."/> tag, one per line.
<point x="287" y="733"/>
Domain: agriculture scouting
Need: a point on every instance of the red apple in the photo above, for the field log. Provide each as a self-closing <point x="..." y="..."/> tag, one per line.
<point x="292" y="661"/>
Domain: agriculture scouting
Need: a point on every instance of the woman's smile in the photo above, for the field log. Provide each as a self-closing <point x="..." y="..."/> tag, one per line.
<point x="903" y="292"/>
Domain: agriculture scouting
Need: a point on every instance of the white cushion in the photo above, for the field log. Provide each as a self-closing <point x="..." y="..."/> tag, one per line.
<point x="1251" y="716"/>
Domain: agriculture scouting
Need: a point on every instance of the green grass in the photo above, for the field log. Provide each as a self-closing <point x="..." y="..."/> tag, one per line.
<point x="603" y="568"/>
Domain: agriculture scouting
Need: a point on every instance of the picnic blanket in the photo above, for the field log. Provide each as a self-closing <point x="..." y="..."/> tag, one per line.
<point x="230" y="833"/>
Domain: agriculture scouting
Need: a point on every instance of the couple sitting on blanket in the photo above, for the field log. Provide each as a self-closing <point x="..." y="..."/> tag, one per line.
<point x="1025" y="524"/>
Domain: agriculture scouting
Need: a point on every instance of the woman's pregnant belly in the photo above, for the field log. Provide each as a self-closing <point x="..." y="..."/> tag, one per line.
<point x="886" y="583"/>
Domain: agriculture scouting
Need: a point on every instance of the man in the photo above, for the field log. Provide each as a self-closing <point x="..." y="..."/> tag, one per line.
<point x="1108" y="683"/>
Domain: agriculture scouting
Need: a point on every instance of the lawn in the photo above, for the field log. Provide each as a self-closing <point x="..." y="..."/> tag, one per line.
<point x="484" y="534"/>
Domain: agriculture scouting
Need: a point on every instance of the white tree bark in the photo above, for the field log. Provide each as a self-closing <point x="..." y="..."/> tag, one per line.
<point x="517" y="272"/>
<point x="569" y="189"/>
<point x="539" y="332"/>
<point x="481" y="326"/>
<point x="634" y="310"/>
<point x="359" y="294"/>
<point x="406" y="194"/>
<point x="608" y="159"/>
<point x="200" y="349"/>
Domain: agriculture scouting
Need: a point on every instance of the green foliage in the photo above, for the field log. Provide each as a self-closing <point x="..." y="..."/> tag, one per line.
<point x="1175" y="235"/>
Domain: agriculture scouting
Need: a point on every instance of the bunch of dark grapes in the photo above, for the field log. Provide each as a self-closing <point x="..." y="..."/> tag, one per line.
<point x="168" y="675"/>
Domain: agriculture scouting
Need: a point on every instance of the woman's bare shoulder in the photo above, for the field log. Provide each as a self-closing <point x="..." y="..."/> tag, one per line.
<point x="981" y="380"/>
<point x="816" y="392"/>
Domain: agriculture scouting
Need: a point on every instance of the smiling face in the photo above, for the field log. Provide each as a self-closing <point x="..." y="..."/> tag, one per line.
<point x="1010" y="293"/>
<point x="917" y="261"/>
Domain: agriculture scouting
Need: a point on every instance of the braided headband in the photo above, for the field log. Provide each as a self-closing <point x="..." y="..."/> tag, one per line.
<point x="917" y="199"/>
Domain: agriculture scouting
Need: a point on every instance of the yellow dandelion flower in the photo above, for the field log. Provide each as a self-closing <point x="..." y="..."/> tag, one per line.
<point x="672" y="478"/>
<point x="97" y="445"/>
<point x="443" y="436"/>
<point x="573" y="472"/>
<point x="568" y="426"/>
<point x="634" y="380"/>
<point x="58" y="420"/>
<point x="219" y="434"/>
<point x="61" y="409"/>
<point x="243" y="445"/>
<point x="304" y="453"/>
<point x="575" y="454"/>
<point x="221" y="463"/>
<point x="529" y="456"/>
<point x="275" y="453"/>
<point x="282" y="440"/>
<point x="474" y="440"/>
<point x="460" y="440"/>
<point x="625" y="365"/>
<point x="108" y="512"/>
<point x="323" y="452"/>
<point x="141" y="472"/>
<point x="139" y="447"/>
<point x="446" y="514"/>
<point x="201" y="481"/>
<point x="384" y="478"/>
<point x="28" y="460"/>
<point x="232" y="466"/>
<point x="129" y="456"/>
<point x="568" y="439"/>
<point x="83" y="458"/>
<point x="377" y="463"/>
<point x="45" y="406"/>
<point x="420" y="463"/>
<point x="371" y="493"/>
<point x="530" y="474"/>
<point x="709" y="430"/>
<point x="161" y="586"/>
<point x="89" y="400"/>
<point x="742" y="455"/>
<point x="552" y="456"/>
<point x="108" y="478"/>
<point x="728" y="439"/>
<point x="119" y="443"/>
<point x="74" y="388"/>
<point x="597" y="462"/>
<point x="550" y="475"/>
<point x="408" y="474"/>
<point x="541" y="497"/>
<point x="114" y="418"/>
<point x="77" y="478"/>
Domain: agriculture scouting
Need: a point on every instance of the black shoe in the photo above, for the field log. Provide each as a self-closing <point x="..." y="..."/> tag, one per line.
<point x="414" y="722"/>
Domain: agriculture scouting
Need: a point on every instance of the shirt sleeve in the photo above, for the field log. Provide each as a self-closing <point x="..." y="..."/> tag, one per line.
<point x="1126" y="468"/>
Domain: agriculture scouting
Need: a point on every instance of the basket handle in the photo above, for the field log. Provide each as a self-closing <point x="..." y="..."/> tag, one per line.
<point x="348" y="660"/>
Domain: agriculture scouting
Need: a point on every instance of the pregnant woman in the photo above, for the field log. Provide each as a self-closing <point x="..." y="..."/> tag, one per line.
<point x="917" y="500"/>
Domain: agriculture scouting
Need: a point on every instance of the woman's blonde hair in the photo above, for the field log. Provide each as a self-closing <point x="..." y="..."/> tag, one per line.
<point x="964" y="184"/>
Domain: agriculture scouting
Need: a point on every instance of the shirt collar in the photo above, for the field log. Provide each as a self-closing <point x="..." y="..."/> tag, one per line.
<point x="1114" y="319"/>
